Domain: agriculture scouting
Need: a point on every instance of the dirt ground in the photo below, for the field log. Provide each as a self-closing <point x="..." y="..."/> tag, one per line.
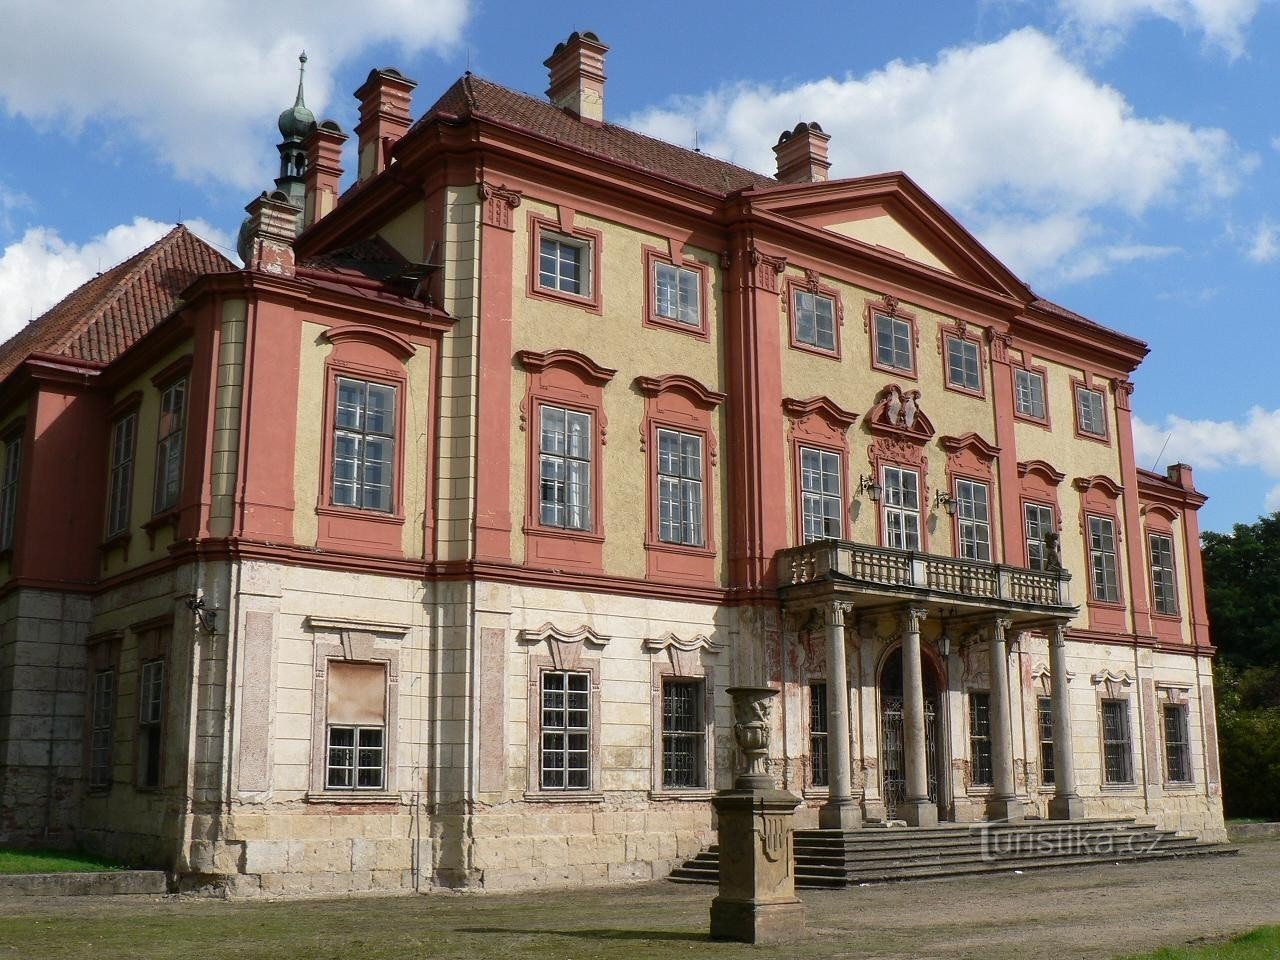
<point x="1095" y="912"/>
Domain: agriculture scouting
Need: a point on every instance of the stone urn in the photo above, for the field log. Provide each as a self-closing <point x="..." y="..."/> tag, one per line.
<point x="751" y="729"/>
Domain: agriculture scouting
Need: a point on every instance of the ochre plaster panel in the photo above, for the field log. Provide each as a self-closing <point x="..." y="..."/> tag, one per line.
<point x="406" y="232"/>
<point x="310" y="446"/>
<point x="885" y="231"/>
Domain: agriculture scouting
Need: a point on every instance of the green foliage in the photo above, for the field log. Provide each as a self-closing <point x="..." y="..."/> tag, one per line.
<point x="1249" y="740"/>
<point x="1260" y="944"/>
<point x="51" y="861"/>
<point x="1242" y="586"/>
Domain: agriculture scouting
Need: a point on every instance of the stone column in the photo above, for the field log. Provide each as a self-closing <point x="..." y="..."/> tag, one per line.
<point x="1066" y="803"/>
<point x="1003" y="805"/>
<point x="840" y="812"/>
<point x="917" y="809"/>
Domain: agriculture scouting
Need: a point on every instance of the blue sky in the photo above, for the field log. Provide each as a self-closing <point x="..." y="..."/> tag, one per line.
<point x="1120" y="155"/>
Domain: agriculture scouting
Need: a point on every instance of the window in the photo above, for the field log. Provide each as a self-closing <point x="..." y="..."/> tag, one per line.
<point x="973" y="521"/>
<point x="1164" y="592"/>
<point x="356" y="718"/>
<point x="814" y="318"/>
<point x="1028" y="394"/>
<point x="565" y="469"/>
<point x="1038" y="521"/>
<point x="9" y="491"/>
<point x="566" y="730"/>
<point x="364" y="424"/>
<point x="683" y="735"/>
<point x="564" y="264"/>
<point x="893" y="343"/>
<point x="962" y="365"/>
<point x="676" y="294"/>
<point x="1102" y="560"/>
<point x="173" y="415"/>
<point x="901" y="499"/>
<point x="980" y="738"/>
<point x="1117" y="753"/>
<point x="819" y="758"/>
<point x="1176" y="743"/>
<point x="101" y="713"/>
<point x="1044" y="722"/>
<point x="679" y="488"/>
<point x="150" y="722"/>
<point x="1089" y="412"/>
<point x="120" y="483"/>
<point x="822" y="500"/>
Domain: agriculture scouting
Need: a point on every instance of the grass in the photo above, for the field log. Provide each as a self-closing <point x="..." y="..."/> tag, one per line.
<point x="1260" y="944"/>
<point x="51" y="861"/>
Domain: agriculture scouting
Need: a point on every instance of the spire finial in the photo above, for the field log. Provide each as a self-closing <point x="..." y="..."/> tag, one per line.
<point x="302" y="69"/>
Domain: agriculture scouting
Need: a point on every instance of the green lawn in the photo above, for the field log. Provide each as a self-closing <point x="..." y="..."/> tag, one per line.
<point x="1260" y="944"/>
<point x="51" y="861"/>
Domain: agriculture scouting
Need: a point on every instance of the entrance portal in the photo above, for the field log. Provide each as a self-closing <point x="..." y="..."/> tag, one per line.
<point x="893" y="759"/>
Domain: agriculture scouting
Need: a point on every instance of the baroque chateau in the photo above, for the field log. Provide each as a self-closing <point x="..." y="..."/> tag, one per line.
<point x="421" y="550"/>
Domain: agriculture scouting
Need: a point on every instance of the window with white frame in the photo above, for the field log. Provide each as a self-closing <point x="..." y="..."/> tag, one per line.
<point x="364" y="442"/>
<point x="821" y="491"/>
<point x="1104" y="584"/>
<point x="680" y="488"/>
<point x="677" y="294"/>
<point x="1164" y="593"/>
<point x="564" y="468"/>
<point x="566" y="730"/>
<point x="980" y="738"/>
<point x="1037" y="521"/>
<point x="1117" y="748"/>
<point x="815" y="319"/>
<point x="973" y="520"/>
<point x="9" y="490"/>
<point x="684" y="735"/>
<point x="564" y="264"/>
<point x="102" y="712"/>
<point x="150" y="722"/>
<point x="819" y="756"/>
<point x="901" y="499"/>
<point x="1044" y="723"/>
<point x="1028" y="393"/>
<point x="893" y="343"/>
<point x="1177" y="743"/>
<point x="1090" y="418"/>
<point x="962" y="364"/>
<point x="356" y="725"/>
<point x="173" y="418"/>
<point x="120" y="481"/>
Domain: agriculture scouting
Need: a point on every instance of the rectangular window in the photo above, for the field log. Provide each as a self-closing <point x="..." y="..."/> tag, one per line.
<point x="1038" y="521"/>
<point x="962" y="364"/>
<point x="1177" y="752"/>
<point x="9" y="491"/>
<point x="1044" y="722"/>
<point x="355" y="758"/>
<point x="819" y="764"/>
<point x="100" y="728"/>
<point x="901" y="499"/>
<point x="1089" y="412"/>
<point x="564" y="264"/>
<point x="815" y="319"/>
<point x="364" y="428"/>
<point x="893" y="343"/>
<point x="1117" y="752"/>
<point x="173" y="419"/>
<point x="150" y="722"/>
<point x="1028" y="394"/>
<point x="683" y="735"/>
<point x="980" y="738"/>
<point x="1164" y="593"/>
<point x="566" y="731"/>
<point x="565" y="469"/>
<point x="1102" y="560"/>
<point x="973" y="521"/>
<point x="679" y="488"/>
<point x="676" y="294"/>
<point x="822" y="500"/>
<point x="120" y="482"/>
<point x="355" y="713"/>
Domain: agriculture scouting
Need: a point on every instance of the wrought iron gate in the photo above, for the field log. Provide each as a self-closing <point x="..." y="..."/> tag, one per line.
<point x="893" y="758"/>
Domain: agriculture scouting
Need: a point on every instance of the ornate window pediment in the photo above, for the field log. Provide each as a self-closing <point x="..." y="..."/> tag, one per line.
<point x="897" y="414"/>
<point x="685" y="653"/>
<point x="566" y="647"/>
<point x="1115" y="683"/>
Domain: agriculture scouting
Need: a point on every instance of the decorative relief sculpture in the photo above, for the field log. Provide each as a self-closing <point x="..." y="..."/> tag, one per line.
<point x="751" y="709"/>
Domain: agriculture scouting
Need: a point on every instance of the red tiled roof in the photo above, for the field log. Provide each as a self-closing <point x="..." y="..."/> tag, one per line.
<point x="104" y="317"/>
<point x="1057" y="310"/>
<point x="472" y="96"/>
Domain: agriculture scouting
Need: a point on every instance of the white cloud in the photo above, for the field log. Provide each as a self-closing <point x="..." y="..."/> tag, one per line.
<point x="1023" y="143"/>
<point x="1264" y="245"/>
<point x="1093" y="263"/>
<point x="41" y="268"/>
<point x="1223" y="23"/>
<point x="199" y="81"/>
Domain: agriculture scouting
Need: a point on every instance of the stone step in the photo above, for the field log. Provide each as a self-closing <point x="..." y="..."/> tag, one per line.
<point x="151" y="883"/>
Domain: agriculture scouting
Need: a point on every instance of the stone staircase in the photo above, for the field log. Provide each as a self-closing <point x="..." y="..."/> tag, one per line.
<point x="834" y="858"/>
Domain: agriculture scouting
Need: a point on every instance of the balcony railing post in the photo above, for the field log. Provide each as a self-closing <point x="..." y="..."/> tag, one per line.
<point x="919" y="571"/>
<point x="1004" y="582"/>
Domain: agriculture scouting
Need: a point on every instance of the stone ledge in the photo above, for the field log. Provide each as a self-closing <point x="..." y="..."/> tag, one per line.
<point x="109" y="883"/>
<point x="1253" y="831"/>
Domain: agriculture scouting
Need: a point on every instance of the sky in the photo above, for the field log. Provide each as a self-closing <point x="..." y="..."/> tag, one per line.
<point x="1119" y="155"/>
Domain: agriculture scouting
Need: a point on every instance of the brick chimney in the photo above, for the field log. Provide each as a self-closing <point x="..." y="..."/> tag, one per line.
<point x="1180" y="473"/>
<point x="267" y="235"/>
<point x="802" y="154"/>
<point x="577" y="76"/>
<point x="384" y="117"/>
<point x="324" y="170"/>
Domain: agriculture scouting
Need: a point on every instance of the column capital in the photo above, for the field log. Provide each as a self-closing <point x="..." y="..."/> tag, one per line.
<point x="833" y="613"/>
<point x="911" y="618"/>
<point x="1000" y="627"/>
<point x="1058" y="633"/>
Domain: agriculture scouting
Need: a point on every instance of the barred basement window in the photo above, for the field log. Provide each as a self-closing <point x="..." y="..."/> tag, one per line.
<point x="1044" y="721"/>
<point x="1117" y="750"/>
<point x="364" y="427"/>
<point x="819" y="758"/>
<point x="1176" y="744"/>
<point x="566" y="730"/>
<point x="356" y="717"/>
<point x="1164" y="592"/>
<point x="683" y="735"/>
<point x="103" y="710"/>
<point x="565" y="469"/>
<point x="980" y="738"/>
<point x="150" y="722"/>
<point x="679" y="488"/>
<point x="173" y="418"/>
<point x="1102" y="560"/>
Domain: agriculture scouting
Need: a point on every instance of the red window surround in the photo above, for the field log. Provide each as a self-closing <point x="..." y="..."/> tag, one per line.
<point x="563" y="378"/>
<point x="1028" y="364"/>
<point x="678" y="402"/>
<point x="821" y="424"/>
<point x="1099" y="387"/>
<point x="677" y="258"/>
<point x="811" y="283"/>
<point x="960" y="330"/>
<point x="969" y="457"/>
<point x="565" y="226"/>
<point x="1098" y="498"/>
<point x="1158" y="521"/>
<point x="371" y="354"/>
<point x="889" y="306"/>
<point x="1039" y="485"/>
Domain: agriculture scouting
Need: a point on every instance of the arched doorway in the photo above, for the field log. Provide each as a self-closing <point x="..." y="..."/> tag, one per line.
<point x="893" y="754"/>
